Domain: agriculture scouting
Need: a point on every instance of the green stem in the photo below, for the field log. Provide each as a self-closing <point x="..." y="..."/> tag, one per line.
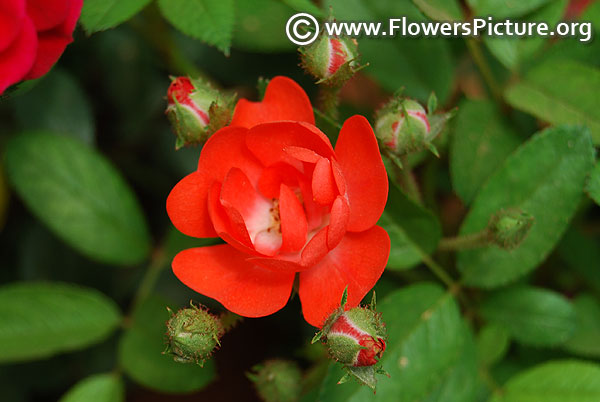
<point x="328" y="119"/>
<point x="474" y="47"/>
<point x="329" y="100"/>
<point x="474" y="240"/>
<point x="157" y="264"/>
<point x="440" y="272"/>
<point x="409" y="183"/>
<point x="156" y="31"/>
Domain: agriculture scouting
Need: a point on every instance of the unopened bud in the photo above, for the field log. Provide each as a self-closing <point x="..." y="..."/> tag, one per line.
<point x="196" y="110"/>
<point x="193" y="333"/>
<point x="403" y="126"/>
<point x="277" y="380"/>
<point x="331" y="60"/>
<point x="510" y="227"/>
<point x="356" y="339"/>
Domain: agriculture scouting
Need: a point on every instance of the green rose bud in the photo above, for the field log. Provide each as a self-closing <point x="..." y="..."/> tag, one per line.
<point x="196" y="110"/>
<point x="331" y="60"/>
<point x="510" y="227"/>
<point x="193" y="333"/>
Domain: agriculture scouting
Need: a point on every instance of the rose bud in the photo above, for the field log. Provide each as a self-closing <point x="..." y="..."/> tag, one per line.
<point x="355" y="338"/>
<point x="403" y="126"/>
<point x="510" y="227"/>
<point x="196" y="110"/>
<point x="331" y="60"/>
<point x="277" y="380"/>
<point x="193" y="333"/>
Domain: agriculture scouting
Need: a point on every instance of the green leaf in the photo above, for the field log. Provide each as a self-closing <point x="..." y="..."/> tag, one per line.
<point x="533" y="316"/>
<point x="584" y="341"/>
<point x="414" y="231"/>
<point x="38" y="320"/>
<point x="440" y="10"/>
<point x="260" y="26"/>
<point x="57" y="104"/>
<point x="79" y="195"/>
<point x="211" y="21"/>
<point x="543" y="178"/>
<point x="430" y="352"/>
<point x="560" y="91"/>
<point x="500" y="9"/>
<point x="306" y="6"/>
<point x="557" y="381"/>
<point x="593" y="184"/>
<point x="419" y="65"/>
<point x="140" y="354"/>
<point x="514" y="52"/>
<point x="403" y="253"/>
<point x="97" y="388"/>
<point x="97" y="15"/>
<point x="481" y="141"/>
<point x="492" y="344"/>
<point x="581" y="253"/>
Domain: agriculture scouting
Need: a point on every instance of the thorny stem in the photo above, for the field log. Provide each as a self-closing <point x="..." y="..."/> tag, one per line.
<point x="329" y="100"/>
<point x="486" y="72"/>
<point x="474" y="240"/>
<point x="158" y="33"/>
<point x="157" y="264"/>
<point x="409" y="183"/>
<point x="328" y="119"/>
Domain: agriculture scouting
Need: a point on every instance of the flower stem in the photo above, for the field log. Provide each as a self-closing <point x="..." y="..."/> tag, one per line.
<point x="333" y="122"/>
<point x="157" y="264"/>
<point x="329" y="100"/>
<point x="486" y="72"/>
<point x="474" y="240"/>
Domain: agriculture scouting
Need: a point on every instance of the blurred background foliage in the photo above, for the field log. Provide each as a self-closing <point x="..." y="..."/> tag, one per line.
<point x="90" y="157"/>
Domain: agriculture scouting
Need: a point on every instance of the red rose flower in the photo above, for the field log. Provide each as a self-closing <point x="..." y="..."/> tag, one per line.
<point x="286" y="202"/>
<point x="33" y="35"/>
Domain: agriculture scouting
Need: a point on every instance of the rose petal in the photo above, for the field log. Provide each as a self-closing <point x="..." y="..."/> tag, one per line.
<point x="17" y="59"/>
<point x="302" y="154"/>
<point x="338" y="175"/>
<point x="283" y="100"/>
<point x="52" y="43"/>
<point x="268" y="142"/>
<point x="187" y="206"/>
<point x="323" y="184"/>
<point x="340" y="212"/>
<point x="366" y="180"/>
<point x="274" y="176"/>
<point x="228" y="224"/>
<point x="50" y="48"/>
<point x="357" y="262"/>
<point x="294" y="226"/>
<point x="315" y="249"/>
<point x="12" y="14"/>
<point x="277" y="264"/>
<point x="47" y="14"/>
<point x="187" y="203"/>
<point x="222" y="273"/>
<point x="226" y="149"/>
